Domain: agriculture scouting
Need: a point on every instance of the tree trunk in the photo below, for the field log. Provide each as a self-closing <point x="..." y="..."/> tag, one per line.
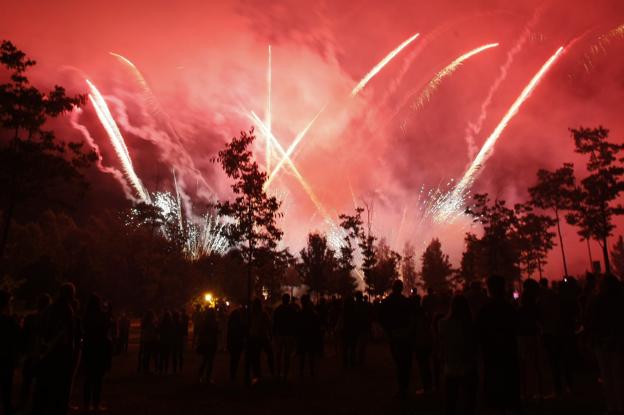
<point x="565" y="265"/>
<point x="605" y="252"/>
<point x="591" y="260"/>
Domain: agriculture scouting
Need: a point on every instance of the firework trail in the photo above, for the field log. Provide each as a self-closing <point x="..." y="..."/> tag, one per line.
<point x="178" y="201"/>
<point x="371" y="74"/>
<point x="475" y="128"/>
<point x="268" y="114"/>
<point x="454" y="201"/>
<point x="600" y="47"/>
<point x="280" y="149"/>
<point x="356" y="90"/>
<point x="117" y="140"/>
<point x="149" y="133"/>
<point x="433" y="84"/>
<point x="290" y="149"/>
<point x="118" y="175"/>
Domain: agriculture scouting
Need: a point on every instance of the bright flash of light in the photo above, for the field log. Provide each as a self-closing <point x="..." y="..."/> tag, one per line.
<point x="178" y="200"/>
<point x="117" y="140"/>
<point x="371" y="74"/>
<point x="454" y="201"/>
<point x="290" y="149"/>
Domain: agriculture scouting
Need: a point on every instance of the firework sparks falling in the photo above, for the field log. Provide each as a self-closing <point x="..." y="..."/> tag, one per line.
<point x="267" y="116"/>
<point x="454" y="201"/>
<point x="371" y="74"/>
<point x="600" y="47"/>
<point x="117" y="140"/>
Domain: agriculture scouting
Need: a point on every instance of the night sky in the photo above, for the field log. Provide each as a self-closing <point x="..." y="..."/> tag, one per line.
<point x="205" y="68"/>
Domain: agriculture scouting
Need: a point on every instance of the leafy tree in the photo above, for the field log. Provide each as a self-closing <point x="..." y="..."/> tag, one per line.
<point x="534" y="238"/>
<point x="617" y="256"/>
<point x="37" y="171"/>
<point x="272" y="268"/>
<point x="252" y="211"/>
<point x="553" y="191"/>
<point x="594" y="204"/>
<point x="408" y="267"/>
<point x="499" y="244"/>
<point x="354" y="226"/>
<point x="343" y="282"/>
<point x="436" y="267"/>
<point x="317" y="264"/>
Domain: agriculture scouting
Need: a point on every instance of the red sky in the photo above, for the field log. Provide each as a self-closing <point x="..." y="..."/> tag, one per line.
<point x="206" y="63"/>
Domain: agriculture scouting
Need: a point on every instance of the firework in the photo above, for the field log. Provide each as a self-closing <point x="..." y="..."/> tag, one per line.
<point x="474" y="128"/>
<point x="454" y="200"/>
<point x="600" y="47"/>
<point x="427" y="92"/>
<point x="117" y="141"/>
<point x="118" y="175"/>
<point x="371" y="74"/>
<point x="290" y="149"/>
<point x="268" y="114"/>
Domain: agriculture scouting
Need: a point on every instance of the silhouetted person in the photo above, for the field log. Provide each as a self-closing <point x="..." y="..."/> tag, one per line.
<point x="178" y="342"/>
<point x="148" y="342"/>
<point x="496" y="324"/>
<point x="528" y="328"/>
<point x="31" y="338"/>
<point x="54" y="374"/>
<point x="167" y="341"/>
<point x="458" y="351"/>
<point x="605" y="327"/>
<point x="423" y="343"/>
<point x="476" y="297"/>
<point x="284" y="330"/>
<point x="569" y="323"/>
<point x="236" y="333"/>
<point x="124" y="332"/>
<point x="207" y="343"/>
<point x="396" y="318"/>
<point x="9" y="349"/>
<point x="364" y="321"/>
<point x="350" y="330"/>
<point x="97" y="352"/>
<point x="308" y="342"/>
<point x="258" y="340"/>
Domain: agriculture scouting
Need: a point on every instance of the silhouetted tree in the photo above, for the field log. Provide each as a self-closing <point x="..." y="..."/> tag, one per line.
<point x="408" y="267"/>
<point x="499" y="245"/>
<point x="436" y="267"/>
<point x="37" y="171"/>
<point x="317" y="263"/>
<point x="594" y="202"/>
<point x="252" y="211"/>
<point x="534" y="238"/>
<point x="553" y="191"/>
<point x="471" y="267"/>
<point x="343" y="282"/>
<point x="617" y="257"/>
<point x="385" y="270"/>
<point x="271" y="270"/>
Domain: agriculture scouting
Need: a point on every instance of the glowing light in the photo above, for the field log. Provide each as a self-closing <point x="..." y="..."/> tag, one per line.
<point x="117" y="140"/>
<point x="371" y="74"/>
<point x="472" y="172"/>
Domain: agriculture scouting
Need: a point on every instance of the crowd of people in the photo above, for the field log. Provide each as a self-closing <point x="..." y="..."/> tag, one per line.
<point x="482" y="344"/>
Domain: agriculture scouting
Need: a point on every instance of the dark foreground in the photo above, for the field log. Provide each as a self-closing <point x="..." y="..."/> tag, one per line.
<point x="367" y="390"/>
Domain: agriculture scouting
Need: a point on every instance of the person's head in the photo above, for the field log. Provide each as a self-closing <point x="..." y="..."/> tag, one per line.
<point x="305" y="301"/>
<point x="94" y="305"/>
<point x="544" y="283"/>
<point x="5" y="301"/>
<point x="285" y="299"/>
<point x="397" y="287"/>
<point x="67" y="292"/>
<point x="530" y="291"/>
<point x="256" y="305"/>
<point x="359" y="296"/>
<point x="609" y="285"/>
<point x="43" y="301"/>
<point x="460" y="310"/>
<point x="496" y="286"/>
<point x="475" y="286"/>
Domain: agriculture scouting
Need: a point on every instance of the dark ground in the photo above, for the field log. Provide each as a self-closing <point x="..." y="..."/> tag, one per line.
<point x="367" y="390"/>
